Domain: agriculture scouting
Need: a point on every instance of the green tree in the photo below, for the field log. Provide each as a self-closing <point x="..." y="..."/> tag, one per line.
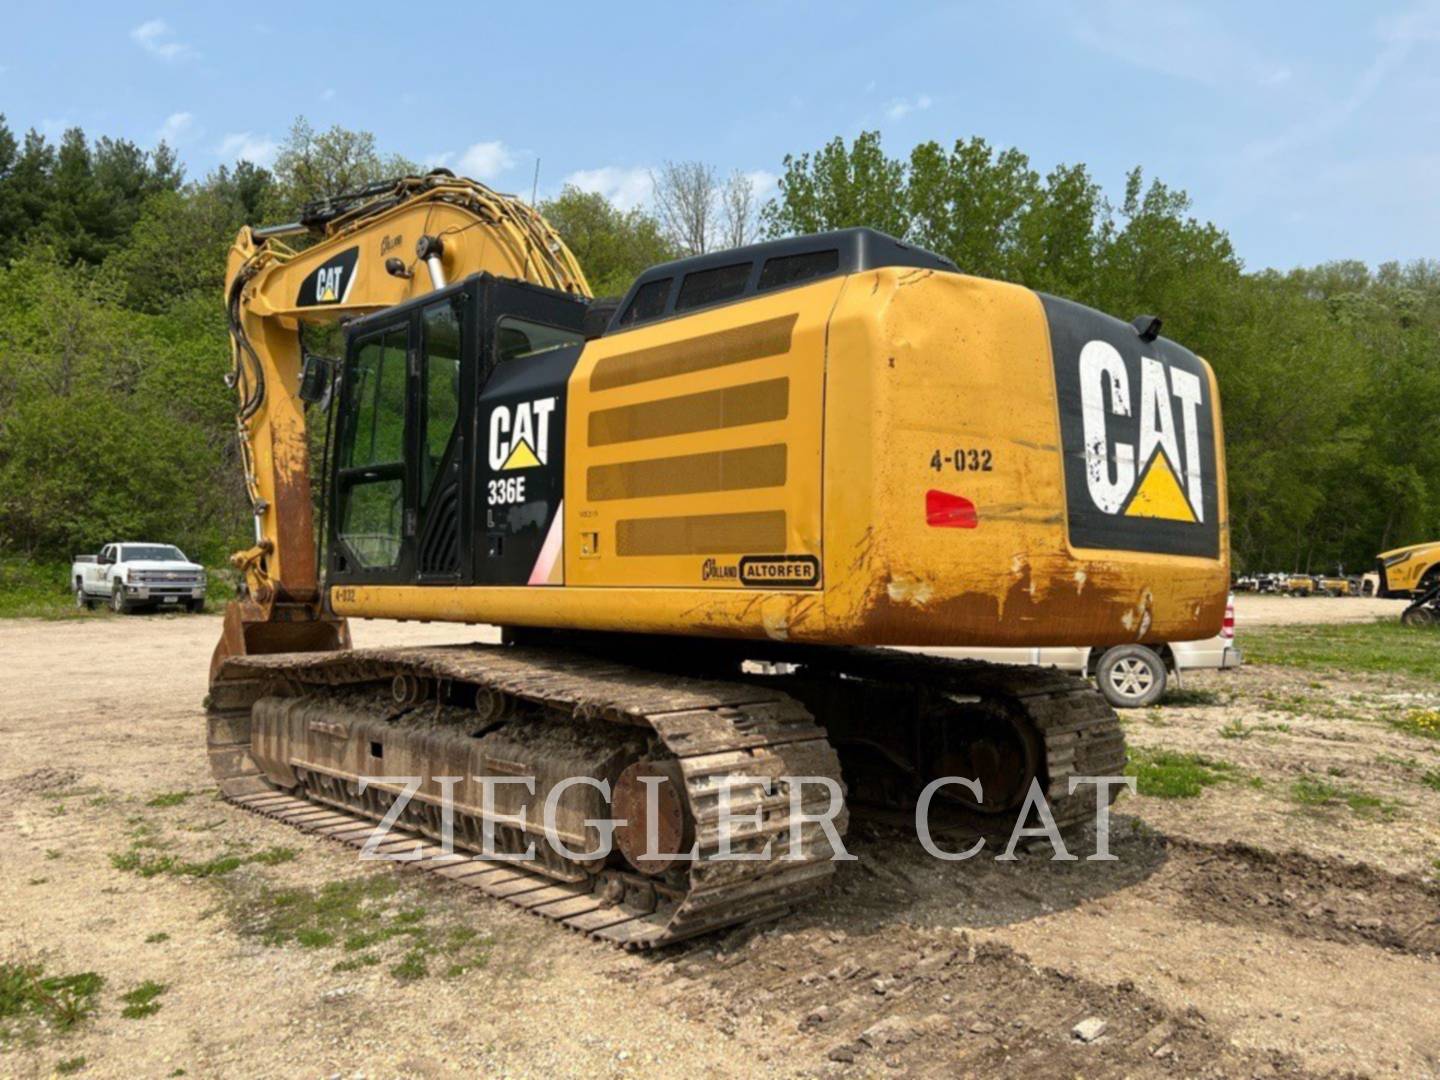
<point x="969" y="204"/>
<point x="612" y="245"/>
<point x="315" y="165"/>
<point x="838" y="187"/>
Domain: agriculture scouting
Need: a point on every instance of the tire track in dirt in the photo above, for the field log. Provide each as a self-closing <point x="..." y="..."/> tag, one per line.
<point x="1305" y="897"/>
<point x="932" y="1002"/>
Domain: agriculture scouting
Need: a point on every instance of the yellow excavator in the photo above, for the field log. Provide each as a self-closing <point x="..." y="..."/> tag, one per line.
<point x="697" y="514"/>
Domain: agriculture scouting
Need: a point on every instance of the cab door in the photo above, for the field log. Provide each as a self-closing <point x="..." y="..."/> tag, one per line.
<point x="374" y="507"/>
<point x="439" y="441"/>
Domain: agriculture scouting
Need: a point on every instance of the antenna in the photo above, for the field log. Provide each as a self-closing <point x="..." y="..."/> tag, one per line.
<point x="535" y="187"/>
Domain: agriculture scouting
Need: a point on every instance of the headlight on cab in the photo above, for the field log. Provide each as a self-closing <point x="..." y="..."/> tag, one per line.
<point x="1396" y="559"/>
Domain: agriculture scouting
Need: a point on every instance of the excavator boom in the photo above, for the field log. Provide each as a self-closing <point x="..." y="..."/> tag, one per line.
<point x="375" y="249"/>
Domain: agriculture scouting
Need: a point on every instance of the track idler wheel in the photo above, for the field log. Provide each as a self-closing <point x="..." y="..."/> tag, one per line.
<point x="1000" y="751"/>
<point x="649" y="797"/>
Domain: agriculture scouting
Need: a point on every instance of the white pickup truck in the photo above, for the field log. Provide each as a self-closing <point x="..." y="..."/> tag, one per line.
<point x="1130" y="676"/>
<point x="133" y="575"/>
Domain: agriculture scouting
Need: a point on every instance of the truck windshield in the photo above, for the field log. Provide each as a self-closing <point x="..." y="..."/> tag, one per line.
<point x="152" y="552"/>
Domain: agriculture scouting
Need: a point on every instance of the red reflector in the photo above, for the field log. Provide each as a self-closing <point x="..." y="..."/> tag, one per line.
<point x="946" y="511"/>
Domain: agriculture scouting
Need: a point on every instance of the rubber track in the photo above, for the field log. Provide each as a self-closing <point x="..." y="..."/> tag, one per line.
<point x="715" y="729"/>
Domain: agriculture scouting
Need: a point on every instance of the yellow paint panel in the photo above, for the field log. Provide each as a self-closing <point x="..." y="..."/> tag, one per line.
<point x="701" y="349"/>
<point x="676" y="426"/>
<point x="685" y="414"/>
<point x="691" y="474"/>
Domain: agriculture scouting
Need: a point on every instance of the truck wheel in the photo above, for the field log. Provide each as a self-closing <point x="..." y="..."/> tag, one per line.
<point x="118" y="603"/>
<point x="1420" y="616"/>
<point x="81" y="600"/>
<point x="1131" y="676"/>
<point x="196" y="606"/>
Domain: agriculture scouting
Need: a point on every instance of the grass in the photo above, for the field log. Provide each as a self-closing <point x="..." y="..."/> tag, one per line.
<point x="1169" y="774"/>
<point x="169" y="798"/>
<point x="1431" y="779"/>
<point x="142" y="1001"/>
<point x="150" y="864"/>
<point x="1238" y="729"/>
<point x="360" y="916"/>
<point x="1383" y="647"/>
<point x="1422" y="722"/>
<point x="156" y="939"/>
<point x="31" y="589"/>
<point x="1315" y="793"/>
<point x="28" y="995"/>
<point x="67" y="1066"/>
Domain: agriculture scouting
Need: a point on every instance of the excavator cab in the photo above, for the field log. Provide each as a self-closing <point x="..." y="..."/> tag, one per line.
<point x="448" y="443"/>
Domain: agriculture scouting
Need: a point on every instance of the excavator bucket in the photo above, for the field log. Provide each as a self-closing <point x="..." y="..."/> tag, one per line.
<point x="247" y="631"/>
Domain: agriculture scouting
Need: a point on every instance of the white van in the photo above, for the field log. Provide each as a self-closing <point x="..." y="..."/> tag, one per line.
<point x="1130" y="676"/>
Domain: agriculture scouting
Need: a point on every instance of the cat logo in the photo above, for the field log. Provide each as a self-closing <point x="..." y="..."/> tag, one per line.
<point x="1138" y="434"/>
<point x="330" y="282"/>
<point x="520" y="434"/>
<point x="327" y="284"/>
<point x="1113" y="487"/>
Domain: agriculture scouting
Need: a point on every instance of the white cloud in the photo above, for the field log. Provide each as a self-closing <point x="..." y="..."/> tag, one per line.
<point x="764" y="184"/>
<point x="438" y="161"/>
<point x="1211" y="50"/>
<point x="245" y="146"/>
<point x="1400" y="36"/>
<point x="903" y="107"/>
<point x="158" y="39"/>
<point x="626" y="187"/>
<point x="176" y="128"/>
<point x="486" y="160"/>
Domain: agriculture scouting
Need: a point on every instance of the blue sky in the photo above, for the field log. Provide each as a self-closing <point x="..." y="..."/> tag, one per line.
<point x="1309" y="131"/>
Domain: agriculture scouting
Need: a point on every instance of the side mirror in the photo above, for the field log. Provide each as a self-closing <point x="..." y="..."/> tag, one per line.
<point x="317" y="373"/>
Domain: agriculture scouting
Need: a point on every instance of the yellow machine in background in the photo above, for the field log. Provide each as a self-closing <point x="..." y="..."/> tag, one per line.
<point x="774" y="453"/>
<point x="1412" y="573"/>
<point x="1300" y="585"/>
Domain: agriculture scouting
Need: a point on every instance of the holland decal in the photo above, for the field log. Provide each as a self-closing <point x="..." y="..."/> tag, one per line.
<point x="1136" y="425"/>
<point x="520" y="434"/>
<point x="331" y="281"/>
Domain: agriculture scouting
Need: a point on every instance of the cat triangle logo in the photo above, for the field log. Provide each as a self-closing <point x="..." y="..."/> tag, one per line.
<point x="521" y="457"/>
<point x="1159" y="495"/>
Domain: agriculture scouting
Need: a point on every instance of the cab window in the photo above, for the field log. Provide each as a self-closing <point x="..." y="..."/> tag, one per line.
<point x="521" y="339"/>
<point x="649" y="302"/>
<point x="706" y="287"/>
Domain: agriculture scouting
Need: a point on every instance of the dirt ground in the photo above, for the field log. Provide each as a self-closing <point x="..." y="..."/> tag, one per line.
<point x="1283" y="922"/>
<point x="1254" y="609"/>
